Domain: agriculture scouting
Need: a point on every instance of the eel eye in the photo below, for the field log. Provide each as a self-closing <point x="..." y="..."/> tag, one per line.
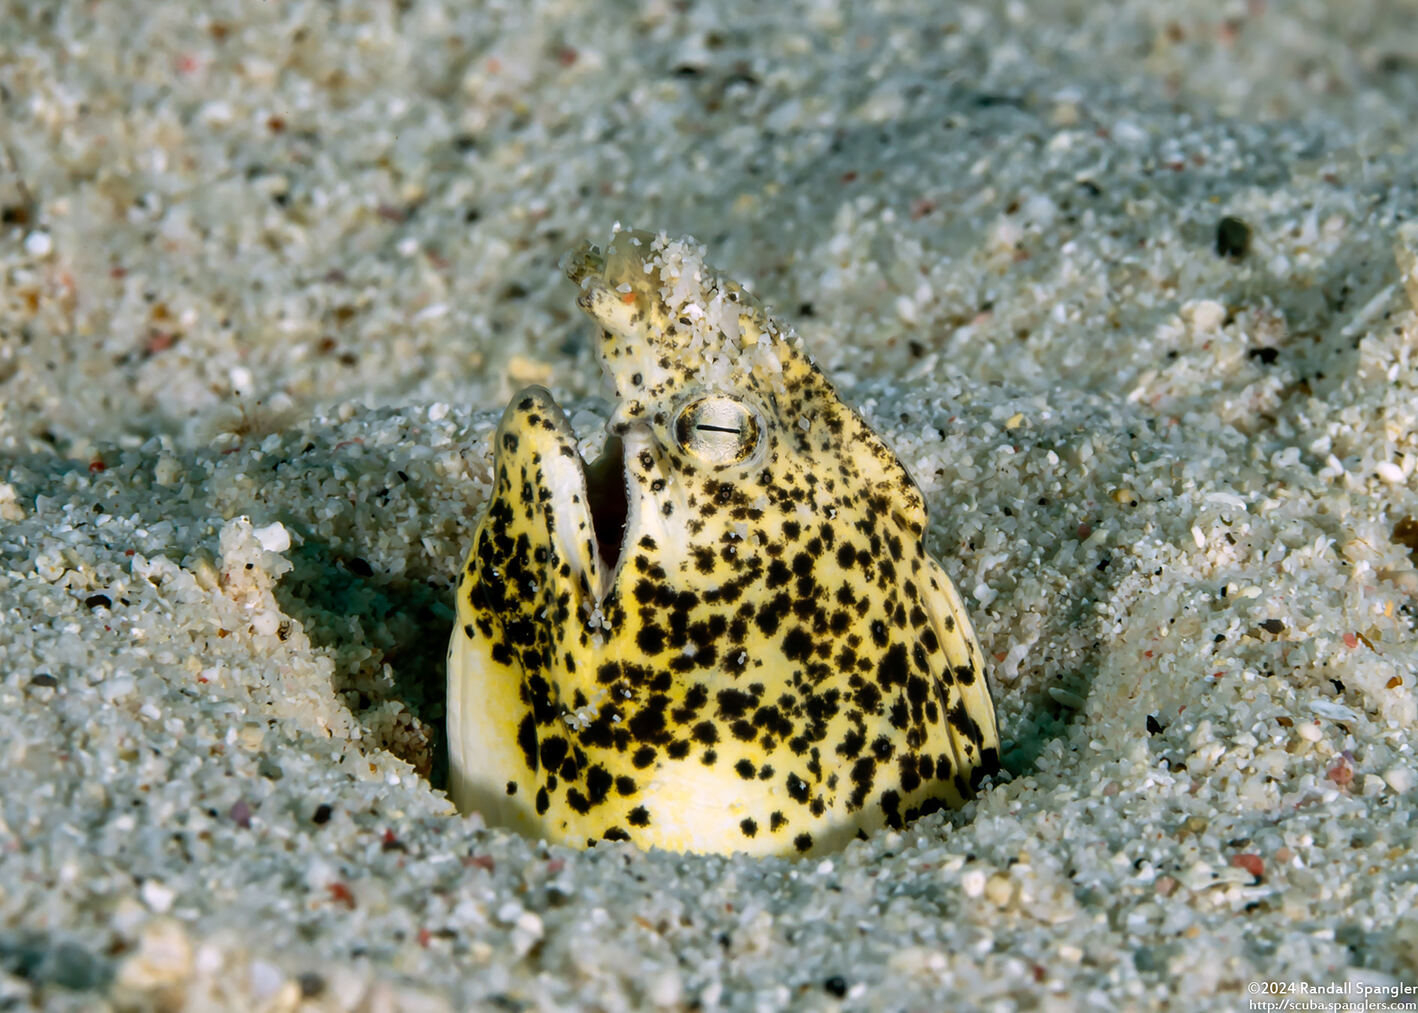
<point x="718" y="429"/>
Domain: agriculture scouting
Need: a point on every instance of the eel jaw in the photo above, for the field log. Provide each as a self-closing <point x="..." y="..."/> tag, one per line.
<point x="588" y="509"/>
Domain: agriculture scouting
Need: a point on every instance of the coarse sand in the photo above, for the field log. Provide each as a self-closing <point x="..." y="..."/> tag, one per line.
<point x="1131" y="288"/>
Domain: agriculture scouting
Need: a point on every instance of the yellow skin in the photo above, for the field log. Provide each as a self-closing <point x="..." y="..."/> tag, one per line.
<point x="725" y="634"/>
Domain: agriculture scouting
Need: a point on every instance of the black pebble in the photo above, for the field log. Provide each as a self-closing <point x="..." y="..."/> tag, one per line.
<point x="1233" y="238"/>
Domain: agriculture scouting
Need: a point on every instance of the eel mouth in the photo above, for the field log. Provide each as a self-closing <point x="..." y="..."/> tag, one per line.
<point x="607" y="495"/>
<point x="559" y="515"/>
<point x="590" y="507"/>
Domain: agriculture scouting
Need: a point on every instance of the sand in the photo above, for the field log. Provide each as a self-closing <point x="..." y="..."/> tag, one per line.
<point x="1131" y="293"/>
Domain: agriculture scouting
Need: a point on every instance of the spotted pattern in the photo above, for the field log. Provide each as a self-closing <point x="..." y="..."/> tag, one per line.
<point x="725" y="634"/>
